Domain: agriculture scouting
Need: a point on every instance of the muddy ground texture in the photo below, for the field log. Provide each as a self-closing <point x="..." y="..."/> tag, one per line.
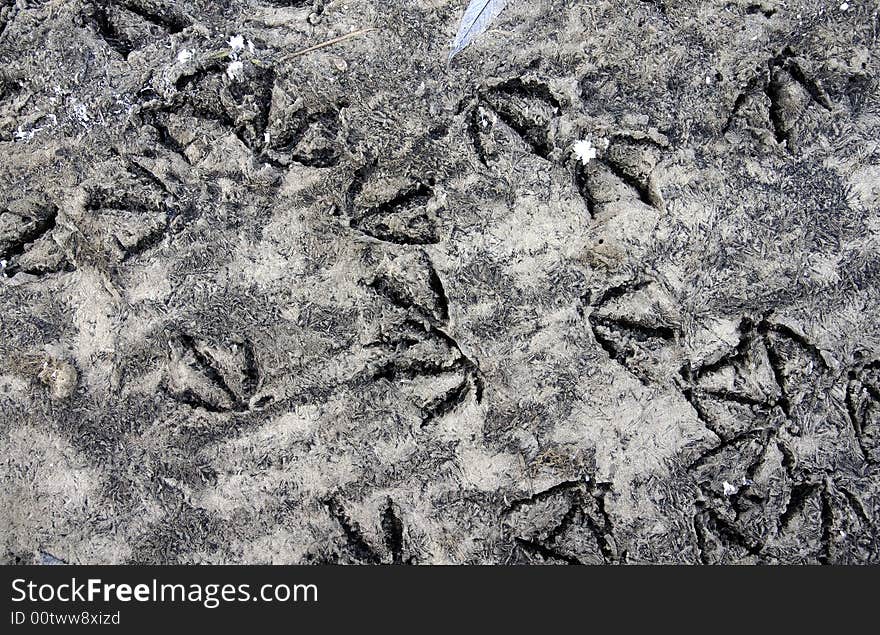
<point x="359" y="306"/>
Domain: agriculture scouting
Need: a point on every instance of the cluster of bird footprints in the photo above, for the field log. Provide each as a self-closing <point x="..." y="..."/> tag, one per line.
<point x="113" y="225"/>
<point x="565" y="524"/>
<point x="414" y="352"/>
<point x="127" y="25"/>
<point x="758" y="486"/>
<point x="218" y="377"/>
<point x="356" y="547"/>
<point x="792" y="434"/>
<point x="409" y="217"/>
<point x="26" y="244"/>
<point x="519" y="116"/>
<point x="779" y="99"/>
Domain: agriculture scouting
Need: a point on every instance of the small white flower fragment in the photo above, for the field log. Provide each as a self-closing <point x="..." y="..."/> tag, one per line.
<point x="584" y="151"/>
<point x="236" y="43"/>
<point x="184" y="56"/>
<point x="235" y="70"/>
<point x="81" y="112"/>
<point x="844" y="6"/>
<point x="729" y="490"/>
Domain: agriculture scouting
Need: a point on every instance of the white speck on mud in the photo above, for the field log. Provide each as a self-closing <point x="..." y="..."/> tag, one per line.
<point x="25" y="136"/>
<point x="236" y="43"/>
<point x="184" y="56"/>
<point x="729" y="490"/>
<point x="584" y="150"/>
<point x="235" y="70"/>
<point x="81" y="112"/>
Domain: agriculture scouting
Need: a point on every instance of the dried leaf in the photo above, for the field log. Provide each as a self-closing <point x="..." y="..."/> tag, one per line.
<point x="477" y="18"/>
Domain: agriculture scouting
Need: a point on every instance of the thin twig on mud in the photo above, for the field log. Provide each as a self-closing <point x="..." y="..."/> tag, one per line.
<point x="329" y="42"/>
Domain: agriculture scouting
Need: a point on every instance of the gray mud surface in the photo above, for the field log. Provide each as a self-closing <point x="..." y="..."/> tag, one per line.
<point x="362" y="306"/>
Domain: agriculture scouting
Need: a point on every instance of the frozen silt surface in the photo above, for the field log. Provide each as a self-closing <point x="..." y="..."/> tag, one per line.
<point x="362" y="305"/>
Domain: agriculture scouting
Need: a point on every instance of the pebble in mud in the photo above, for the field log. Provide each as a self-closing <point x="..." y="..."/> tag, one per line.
<point x="60" y="377"/>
